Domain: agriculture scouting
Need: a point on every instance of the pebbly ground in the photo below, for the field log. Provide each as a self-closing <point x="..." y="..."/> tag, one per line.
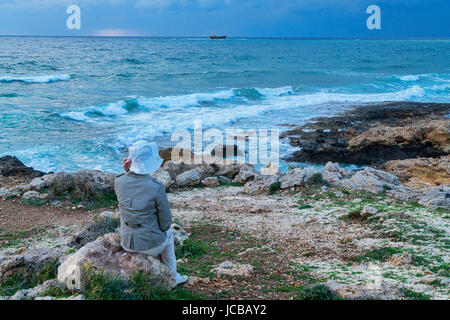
<point x="359" y="244"/>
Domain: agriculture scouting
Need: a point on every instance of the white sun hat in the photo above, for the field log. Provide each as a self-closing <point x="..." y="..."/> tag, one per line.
<point x="144" y="157"/>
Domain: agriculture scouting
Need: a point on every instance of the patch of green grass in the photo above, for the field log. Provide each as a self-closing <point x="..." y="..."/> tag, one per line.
<point x="303" y="205"/>
<point x="394" y="275"/>
<point x="303" y="272"/>
<point x="274" y="187"/>
<point x="34" y="202"/>
<point x="352" y="215"/>
<point x="378" y="254"/>
<point x="442" y="270"/>
<point x="318" y="180"/>
<point x="191" y="248"/>
<point x="414" y="295"/>
<point x="57" y="292"/>
<point x="229" y="183"/>
<point x="70" y="251"/>
<point x="16" y="238"/>
<point x="317" y="292"/>
<point x="104" y="201"/>
<point x="29" y="277"/>
<point x="103" y="286"/>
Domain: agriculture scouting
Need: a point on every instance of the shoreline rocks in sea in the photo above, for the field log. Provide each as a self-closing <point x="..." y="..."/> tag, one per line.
<point x="373" y="134"/>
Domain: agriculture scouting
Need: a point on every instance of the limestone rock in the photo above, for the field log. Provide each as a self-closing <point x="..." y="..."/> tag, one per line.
<point x="176" y="168"/>
<point x="370" y="180"/>
<point x="13" y="262"/>
<point x="246" y="173"/>
<point x="297" y="177"/>
<point x="260" y="184"/>
<point x="332" y="167"/>
<point x="33" y="293"/>
<point x="229" y="170"/>
<point x="190" y="178"/>
<point x="271" y="170"/>
<point x="437" y="133"/>
<point x="210" y="182"/>
<point x="34" y="195"/>
<point x="231" y="269"/>
<point x="37" y="184"/>
<point x="107" y="254"/>
<point x="164" y="177"/>
<point x="84" y="184"/>
<point x="421" y="171"/>
<point x="368" y="211"/>
<point x="107" y="223"/>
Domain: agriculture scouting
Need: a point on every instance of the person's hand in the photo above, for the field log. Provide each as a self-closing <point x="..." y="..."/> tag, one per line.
<point x="126" y="164"/>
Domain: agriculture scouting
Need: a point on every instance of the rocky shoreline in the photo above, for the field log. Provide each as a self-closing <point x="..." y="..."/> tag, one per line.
<point x="373" y="134"/>
<point x="391" y="215"/>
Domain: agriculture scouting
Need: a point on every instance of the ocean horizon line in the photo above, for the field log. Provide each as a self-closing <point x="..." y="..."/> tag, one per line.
<point x="228" y="37"/>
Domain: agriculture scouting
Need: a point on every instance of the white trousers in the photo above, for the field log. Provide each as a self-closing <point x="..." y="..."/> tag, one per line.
<point x="166" y="250"/>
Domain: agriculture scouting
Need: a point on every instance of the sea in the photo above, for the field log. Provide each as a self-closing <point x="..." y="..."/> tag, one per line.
<point x="71" y="103"/>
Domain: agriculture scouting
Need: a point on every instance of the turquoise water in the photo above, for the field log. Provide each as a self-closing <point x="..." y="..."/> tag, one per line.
<point x="72" y="103"/>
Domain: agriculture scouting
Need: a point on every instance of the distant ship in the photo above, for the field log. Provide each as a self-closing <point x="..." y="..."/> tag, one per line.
<point x="214" y="37"/>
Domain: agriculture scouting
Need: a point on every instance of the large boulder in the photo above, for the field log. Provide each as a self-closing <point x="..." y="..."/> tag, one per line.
<point x="210" y="182"/>
<point x="164" y="177"/>
<point x="421" y="171"/>
<point x="261" y="184"/>
<point x="271" y="170"/>
<point x="106" y="254"/>
<point x="368" y="179"/>
<point x="246" y="173"/>
<point x="176" y="168"/>
<point x="190" y="178"/>
<point x="82" y="185"/>
<point x="435" y="197"/>
<point x="229" y="170"/>
<point x="297" y="177"/>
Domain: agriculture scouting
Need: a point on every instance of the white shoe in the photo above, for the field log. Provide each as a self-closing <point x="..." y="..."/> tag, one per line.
<point x="179" y="279"/>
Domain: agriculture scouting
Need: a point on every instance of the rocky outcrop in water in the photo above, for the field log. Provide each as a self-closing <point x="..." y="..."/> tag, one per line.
<point x="11" y="166"/>
<point x="373" y="134"/>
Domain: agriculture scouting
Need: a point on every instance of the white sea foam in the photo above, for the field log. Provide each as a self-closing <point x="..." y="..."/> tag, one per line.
<point x="409" y="77"/>
<point x="275" y="91"/>
<point x="161" y="115"/>
<point x="187" y="100"/>
<point x="111" y="109"/>
<point x="158" y="122"/>
<point x="37" y="79"/>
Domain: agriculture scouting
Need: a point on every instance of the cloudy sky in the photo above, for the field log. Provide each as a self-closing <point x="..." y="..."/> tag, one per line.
<point x="239" y="18"/>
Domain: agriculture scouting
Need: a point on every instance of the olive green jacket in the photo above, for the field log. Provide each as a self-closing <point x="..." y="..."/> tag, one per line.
<point x="144" y="211"/>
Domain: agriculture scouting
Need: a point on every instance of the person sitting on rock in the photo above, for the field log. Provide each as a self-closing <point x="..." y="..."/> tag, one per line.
<point x="145" y="216"/>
